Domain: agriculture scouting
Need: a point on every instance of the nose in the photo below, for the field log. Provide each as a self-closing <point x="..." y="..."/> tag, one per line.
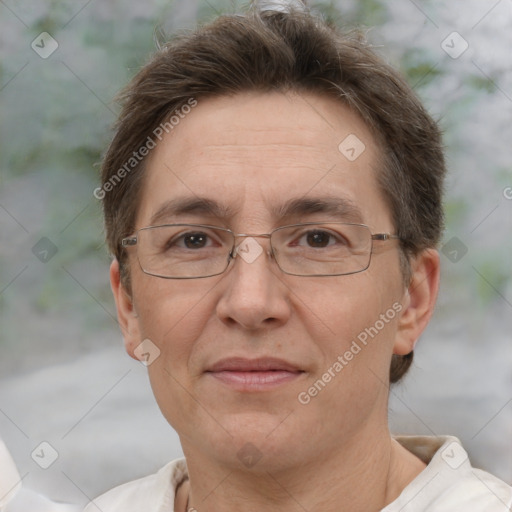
<point x="254" y="295"/>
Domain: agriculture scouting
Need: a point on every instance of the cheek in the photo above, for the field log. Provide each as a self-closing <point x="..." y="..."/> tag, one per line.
<point x="361" y="315"/>
<point x="353" y="322"/>
<point x="172" y="314"/>
<point x="344" y="306"/>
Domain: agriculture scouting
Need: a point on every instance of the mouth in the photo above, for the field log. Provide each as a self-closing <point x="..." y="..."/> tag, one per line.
<point x="254" y="374"/>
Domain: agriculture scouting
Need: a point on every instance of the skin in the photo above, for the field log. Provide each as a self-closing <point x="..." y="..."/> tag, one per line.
<point x="251" y="152"/>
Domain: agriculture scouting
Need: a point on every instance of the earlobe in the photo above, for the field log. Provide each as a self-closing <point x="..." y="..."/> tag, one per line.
<point x="418" y="301"/>
<point x="126" y="313"/>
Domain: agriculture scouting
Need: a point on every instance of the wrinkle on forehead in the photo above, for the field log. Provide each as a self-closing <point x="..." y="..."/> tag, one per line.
<point x="250" y="153"/>
<point x="337" y="208"/>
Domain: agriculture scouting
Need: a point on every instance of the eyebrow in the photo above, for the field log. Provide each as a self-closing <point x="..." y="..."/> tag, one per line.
<point x="339" y="207"/>
<point x="181" y="206"/>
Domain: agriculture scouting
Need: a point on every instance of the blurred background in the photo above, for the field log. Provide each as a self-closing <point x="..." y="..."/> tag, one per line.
<point x="64" y="377"/>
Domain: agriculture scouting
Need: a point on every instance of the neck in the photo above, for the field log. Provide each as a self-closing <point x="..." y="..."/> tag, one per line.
<point x="361" y="476"/>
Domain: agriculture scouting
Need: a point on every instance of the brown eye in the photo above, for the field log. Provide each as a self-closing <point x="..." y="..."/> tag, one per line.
<point x="195" y="240"/>
<point x="318" y="238"/>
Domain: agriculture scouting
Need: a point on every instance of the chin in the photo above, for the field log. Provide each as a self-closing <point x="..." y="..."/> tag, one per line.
<point x="260" y="442"/>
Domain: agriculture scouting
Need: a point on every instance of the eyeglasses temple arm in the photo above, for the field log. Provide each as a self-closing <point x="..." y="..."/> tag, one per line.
<point x="129" y="241"/>
<point x="384" y="236"/>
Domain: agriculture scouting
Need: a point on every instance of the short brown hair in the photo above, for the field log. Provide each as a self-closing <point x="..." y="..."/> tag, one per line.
<point x="278" y="51"/>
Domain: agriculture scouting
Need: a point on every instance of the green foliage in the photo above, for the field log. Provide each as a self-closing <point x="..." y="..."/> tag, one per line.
<point x="371" y="12"/>
<point x="365" y="13"/>
<point x="455" y="211"/>
<point x="481" y="83"/>
<point x="491" y="281"/>
<point x="419" y="69"/>
<point x="210" y="9"/>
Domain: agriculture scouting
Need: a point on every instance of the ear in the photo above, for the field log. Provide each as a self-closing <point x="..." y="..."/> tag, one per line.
<point x="126" y="314"/>
<point x="418" y="301"/>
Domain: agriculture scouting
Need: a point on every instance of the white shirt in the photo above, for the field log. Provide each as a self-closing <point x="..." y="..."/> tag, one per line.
<point x="448" y="484"/>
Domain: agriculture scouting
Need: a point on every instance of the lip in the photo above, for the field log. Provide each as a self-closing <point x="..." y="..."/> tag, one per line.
<point x="259" y="374"/>
<point x="261" y="364"/>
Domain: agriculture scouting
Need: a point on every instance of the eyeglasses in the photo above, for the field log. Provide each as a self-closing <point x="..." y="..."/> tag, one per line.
<point x="190" y="251"/>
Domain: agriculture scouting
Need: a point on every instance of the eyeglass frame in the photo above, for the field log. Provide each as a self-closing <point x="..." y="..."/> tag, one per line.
<point x="131" y="241"/>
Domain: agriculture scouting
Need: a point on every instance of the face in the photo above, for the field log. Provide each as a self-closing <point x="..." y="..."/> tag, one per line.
<point x="252" y="155"/>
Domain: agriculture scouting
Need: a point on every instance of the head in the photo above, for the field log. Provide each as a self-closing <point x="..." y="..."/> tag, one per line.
<point x="250" y="113"/>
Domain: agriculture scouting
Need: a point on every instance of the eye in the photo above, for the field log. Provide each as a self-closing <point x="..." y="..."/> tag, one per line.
<point x="191" y="240"/>
<point x="195" y="240"/>
<point x="319" y="239"/>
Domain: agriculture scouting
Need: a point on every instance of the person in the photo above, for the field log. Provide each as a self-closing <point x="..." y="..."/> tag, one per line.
<point x="273" y="201"/>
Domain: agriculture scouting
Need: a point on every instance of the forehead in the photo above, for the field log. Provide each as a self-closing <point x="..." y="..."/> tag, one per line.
<point x="260" y="157"/>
